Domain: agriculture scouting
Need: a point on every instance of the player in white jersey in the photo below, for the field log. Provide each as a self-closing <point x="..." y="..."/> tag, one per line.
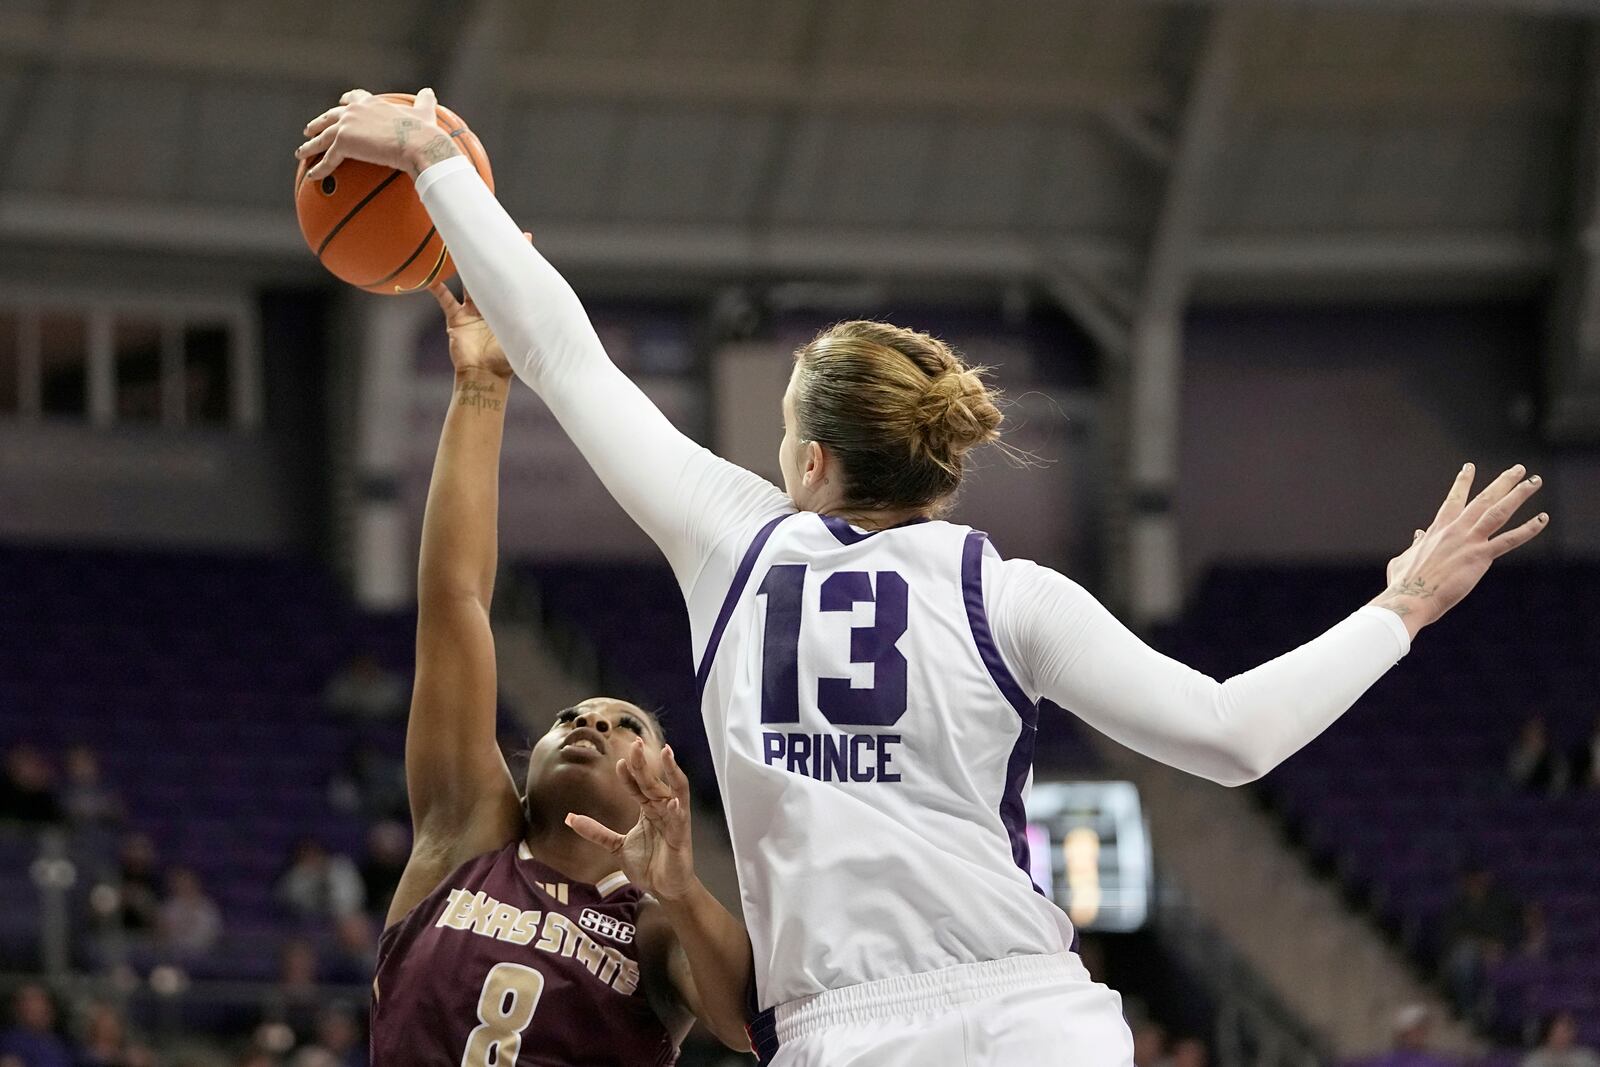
<point x="870" y="674"/>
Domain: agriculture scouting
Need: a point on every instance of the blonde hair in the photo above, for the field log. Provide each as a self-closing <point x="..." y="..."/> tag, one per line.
<point x="898" y="407"/>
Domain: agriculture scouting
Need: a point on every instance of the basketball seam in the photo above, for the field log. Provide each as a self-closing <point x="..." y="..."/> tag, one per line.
<point x="433" y="275"/>
<point x="409" y="260"/>
<point x="381" y="186"/>
<point x="453" y="132"/>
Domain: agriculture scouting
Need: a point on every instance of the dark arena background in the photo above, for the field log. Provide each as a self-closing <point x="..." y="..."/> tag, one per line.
<point x="1257" y="279"/>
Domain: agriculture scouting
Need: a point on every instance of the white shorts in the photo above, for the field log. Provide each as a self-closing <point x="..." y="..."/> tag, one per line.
<point x="1026" y="1011"/>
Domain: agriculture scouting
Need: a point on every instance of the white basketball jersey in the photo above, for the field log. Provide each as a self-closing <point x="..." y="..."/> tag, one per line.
<point x="873" y="753"/>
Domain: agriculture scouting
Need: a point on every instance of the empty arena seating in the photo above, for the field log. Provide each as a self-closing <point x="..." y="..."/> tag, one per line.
<point x="197" y="679"/>
<point x="1412" y="783"/>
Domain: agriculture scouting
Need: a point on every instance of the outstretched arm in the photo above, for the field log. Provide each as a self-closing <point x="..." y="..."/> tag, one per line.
<point x="697" y="953"/>
<point x="1070" y="649"/>
<point x="684" y="497"/>
<point x="463" y="801"/>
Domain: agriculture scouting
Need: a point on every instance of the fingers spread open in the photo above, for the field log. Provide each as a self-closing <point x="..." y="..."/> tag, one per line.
<point x="1499" y="513"/>
<point x="323" y="121"/>
<point x="644" y="774"/>
<point x="1493" y="493"/>
<point x="1521" y="535"/>
<point x="1456" y="499"/>
<point x="326" y="165"/>
<point x="673" y="774"/>
<point x="590" y="830"/>
<point x="320" y="143"/>
<point x="626" y="774"/>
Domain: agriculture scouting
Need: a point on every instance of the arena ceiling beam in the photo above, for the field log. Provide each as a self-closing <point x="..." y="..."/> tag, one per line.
<point x="547" y="77"/>
<point x="1227" y="266"/>
<point x="1152" y="584"/>
<point x="191" y="50"/>
<point x="1531" y="7"/>
<point x="1124" y="102"/>
<point x="1101" y="308"/>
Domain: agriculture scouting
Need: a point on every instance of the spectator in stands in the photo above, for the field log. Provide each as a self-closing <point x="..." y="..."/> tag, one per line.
<point x="94" y="813"/>
<point x="320" y="885"/>
<point x="364" y="689"/>
<point x="388" y="847"/>
<point x="1535" y="765"/>
<point x="1480" y="924"/>
<point x="1413" y="1041"/>
<point x="1149" y="1043"/>
<point x="87" y="800"/>
<point x="1558" y="1045"/>
<point x="32" y="1038"/>
<point x="372" y="782"/>
<point x="106" y="1043"/>
<point x="355" y="951"/>
<point x="190" y="921"/>
<point x="339" y="1037"/>
<point x="296" y="999"/>
<point x="138" y="884"/>
<point x="28" y="788"/>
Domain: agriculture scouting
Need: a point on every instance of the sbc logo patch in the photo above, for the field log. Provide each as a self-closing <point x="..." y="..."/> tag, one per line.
<point x="606" y="926"/>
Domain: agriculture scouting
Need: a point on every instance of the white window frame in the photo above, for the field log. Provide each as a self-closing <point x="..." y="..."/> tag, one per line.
<point x="174" y="311"/>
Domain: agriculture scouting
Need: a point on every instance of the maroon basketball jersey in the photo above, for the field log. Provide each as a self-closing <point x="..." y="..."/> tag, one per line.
<point x="510" y="964"/>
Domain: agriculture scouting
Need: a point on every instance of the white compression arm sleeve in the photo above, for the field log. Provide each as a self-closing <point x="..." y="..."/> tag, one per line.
<point x="1068" y="648"/>
<point x="680" y="494"/>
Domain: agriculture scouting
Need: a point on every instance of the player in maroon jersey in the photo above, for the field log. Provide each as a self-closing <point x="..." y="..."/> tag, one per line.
<point x="516" y="939"/>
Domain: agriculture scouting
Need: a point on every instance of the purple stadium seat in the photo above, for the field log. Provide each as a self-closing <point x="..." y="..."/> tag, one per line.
<point x="1411" y="782"/>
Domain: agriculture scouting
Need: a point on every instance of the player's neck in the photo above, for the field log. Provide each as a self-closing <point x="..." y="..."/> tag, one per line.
<point x="875" y="518"/>
<point x="554" y="845"/>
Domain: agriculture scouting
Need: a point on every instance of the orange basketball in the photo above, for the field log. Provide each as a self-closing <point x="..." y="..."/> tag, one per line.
<point x="367" y="225"/>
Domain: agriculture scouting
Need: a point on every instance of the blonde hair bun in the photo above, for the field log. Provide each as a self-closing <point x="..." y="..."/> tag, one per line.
<point x="956" y="414"/>
<point x="899" y="408"/>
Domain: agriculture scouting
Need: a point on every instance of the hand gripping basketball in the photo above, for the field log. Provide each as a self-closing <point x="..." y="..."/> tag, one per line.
<point x="377" y="130"/>
<point x="361" y="219"/>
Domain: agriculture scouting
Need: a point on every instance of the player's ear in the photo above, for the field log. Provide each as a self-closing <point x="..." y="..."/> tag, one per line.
<point x="814" y="465"/>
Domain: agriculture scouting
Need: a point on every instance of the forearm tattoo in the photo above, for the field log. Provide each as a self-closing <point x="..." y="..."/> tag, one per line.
<point x="480" y="396"/>
<point x="441" y="147"/>
<point x="1394" y="597"/>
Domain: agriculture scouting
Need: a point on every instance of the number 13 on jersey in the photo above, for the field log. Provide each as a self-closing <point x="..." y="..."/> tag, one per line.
<point x="834" y="755"/>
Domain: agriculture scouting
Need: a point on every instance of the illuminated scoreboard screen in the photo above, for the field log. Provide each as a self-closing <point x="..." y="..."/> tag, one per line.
<point x="1090" y="853"/>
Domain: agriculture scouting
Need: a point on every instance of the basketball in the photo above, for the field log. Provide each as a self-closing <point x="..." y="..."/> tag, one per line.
<point x="366" y="224"/>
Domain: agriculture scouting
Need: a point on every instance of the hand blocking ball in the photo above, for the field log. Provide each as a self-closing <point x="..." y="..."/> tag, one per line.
<point x="366" y="223"/>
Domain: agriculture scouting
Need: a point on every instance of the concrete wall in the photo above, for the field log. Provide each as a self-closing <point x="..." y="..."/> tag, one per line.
<point x="1332" y="434"/>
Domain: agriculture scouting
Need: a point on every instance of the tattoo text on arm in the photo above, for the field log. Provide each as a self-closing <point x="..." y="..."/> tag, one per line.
<point x="479" y="395"/>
